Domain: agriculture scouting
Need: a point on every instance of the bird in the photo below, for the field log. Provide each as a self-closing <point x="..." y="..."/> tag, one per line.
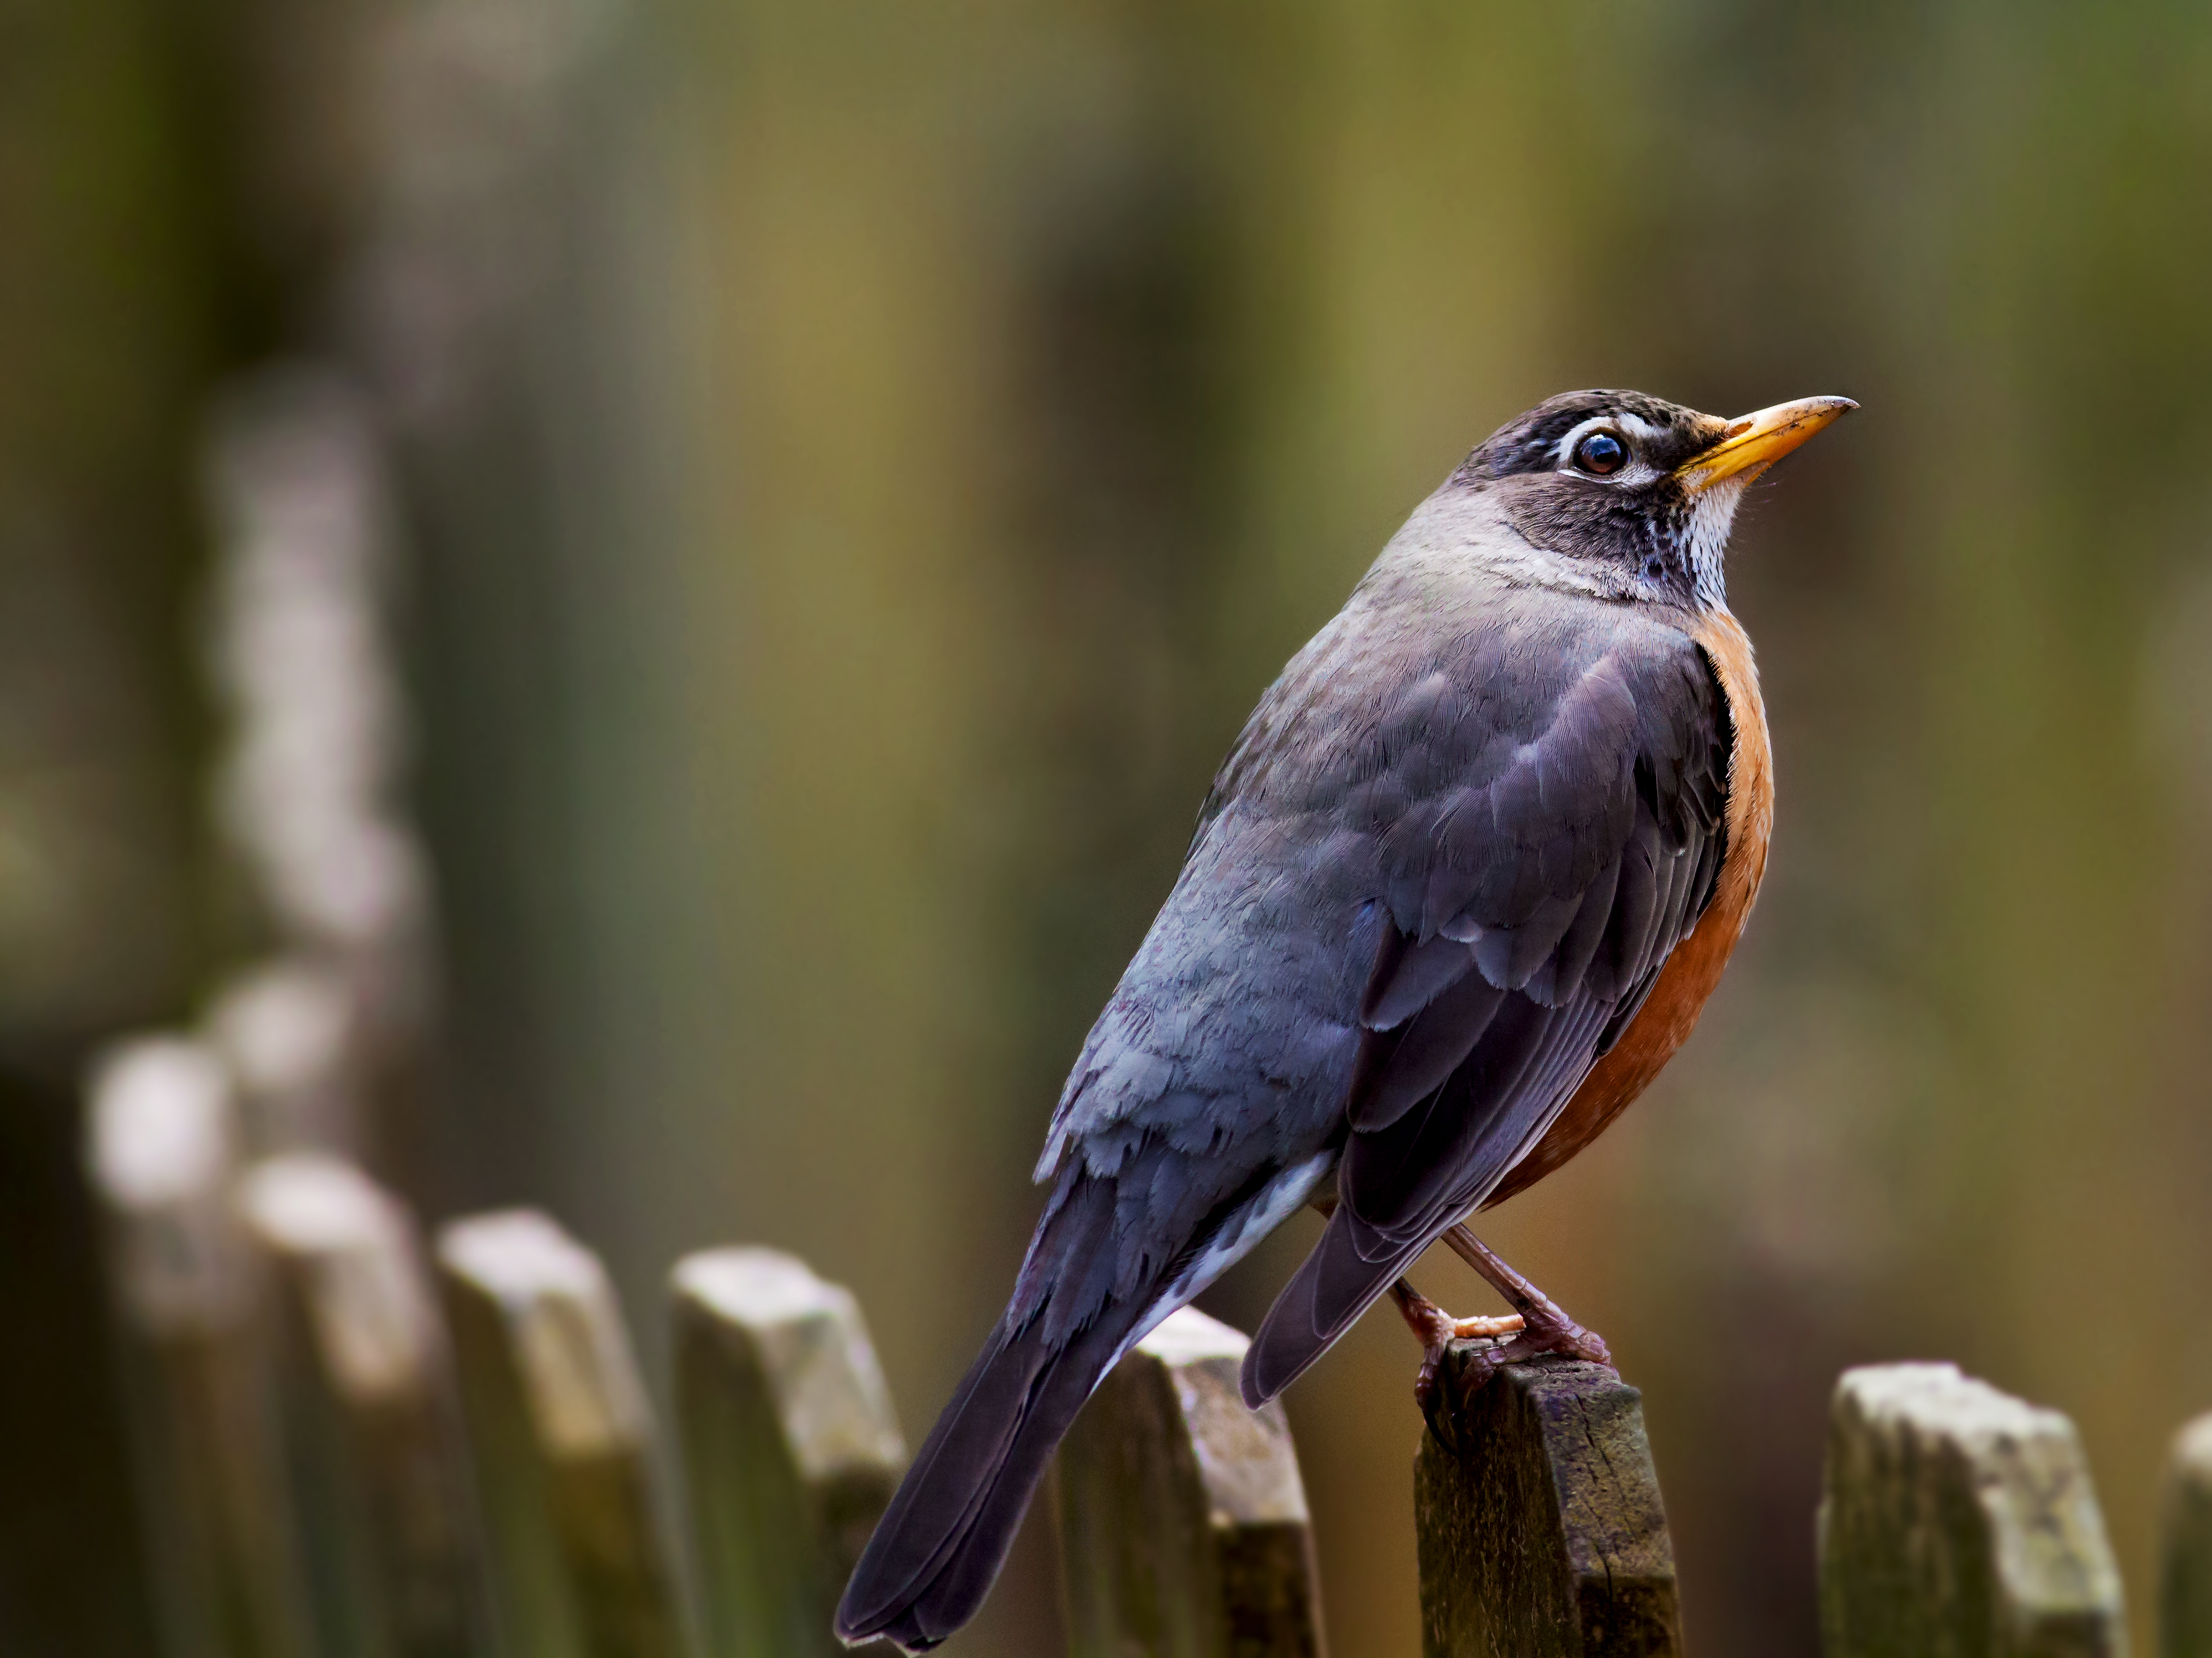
<point x="1461" y="888"/>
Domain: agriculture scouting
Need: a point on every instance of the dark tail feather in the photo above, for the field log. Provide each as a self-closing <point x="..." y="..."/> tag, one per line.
<point x="939" y="1546"/>
<point x="1333" y="1286"/>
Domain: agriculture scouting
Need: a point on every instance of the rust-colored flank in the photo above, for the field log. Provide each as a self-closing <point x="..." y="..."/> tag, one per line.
<point x="1695" y="967"/>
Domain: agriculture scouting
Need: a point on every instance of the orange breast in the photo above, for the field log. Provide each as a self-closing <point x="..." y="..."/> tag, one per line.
<point x="1692" y="972"/>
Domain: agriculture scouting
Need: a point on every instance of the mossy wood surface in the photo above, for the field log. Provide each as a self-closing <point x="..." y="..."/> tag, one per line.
<point x="1959" y="1522"/>
<point x="562" y="1443"/>
<point x="1183" y="1526"/>
<point x="372" y="1416"/>
<point x="192" y="1326"/>
<point x="1542" y="1533"/>
<point x="2184" y="1597"/>
<point x="790" y="1448"/>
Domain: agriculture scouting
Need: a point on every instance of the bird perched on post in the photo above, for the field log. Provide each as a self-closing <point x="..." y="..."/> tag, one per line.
<point x="1460" y="890"/>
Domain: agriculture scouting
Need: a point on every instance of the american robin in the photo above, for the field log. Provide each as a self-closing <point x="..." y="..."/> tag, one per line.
<point x="1460" y="890"/>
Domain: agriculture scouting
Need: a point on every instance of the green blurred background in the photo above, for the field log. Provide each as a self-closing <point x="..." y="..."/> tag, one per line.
<point x="861" y="461"/>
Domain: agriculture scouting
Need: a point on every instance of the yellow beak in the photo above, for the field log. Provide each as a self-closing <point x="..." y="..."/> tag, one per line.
<point x="1754" y="442"/>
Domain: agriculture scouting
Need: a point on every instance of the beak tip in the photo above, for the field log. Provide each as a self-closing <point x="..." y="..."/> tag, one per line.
<point x="1753" y="442"/>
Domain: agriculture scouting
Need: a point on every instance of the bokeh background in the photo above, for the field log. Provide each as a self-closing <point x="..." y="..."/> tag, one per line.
<point x="854" y="466"/>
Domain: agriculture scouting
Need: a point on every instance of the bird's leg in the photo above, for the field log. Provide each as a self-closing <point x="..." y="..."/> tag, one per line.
<point x="1434" y="1328"/>
<point x="1545" y="1328"/>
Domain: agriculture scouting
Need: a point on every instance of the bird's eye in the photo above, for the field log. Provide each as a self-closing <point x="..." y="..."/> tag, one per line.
<point x="1601" y="454"/>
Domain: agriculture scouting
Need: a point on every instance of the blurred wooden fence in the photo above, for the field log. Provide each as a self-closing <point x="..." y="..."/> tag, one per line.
<point x="350" y="1446"/>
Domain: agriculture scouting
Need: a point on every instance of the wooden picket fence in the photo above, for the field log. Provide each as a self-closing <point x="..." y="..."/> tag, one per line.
<point x="348" y="1448"/>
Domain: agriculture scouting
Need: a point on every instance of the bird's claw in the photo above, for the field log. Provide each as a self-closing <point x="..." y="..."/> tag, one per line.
<point x="1438" y="1331"/>
<point x="1543" y="1331"/>
<point x="1431" y="1394"/>
<point x="1442" y="1388"/>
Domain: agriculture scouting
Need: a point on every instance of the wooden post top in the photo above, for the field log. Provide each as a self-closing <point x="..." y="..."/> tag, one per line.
<point x="375" y="1325"/>
<point x="567" y="1341"/>
<point x="1182" y="1520"/>
<point x="161" y="1151"/>
<point x="791" y="1447"/>
<point x="1245" y="1458"/>
<point x="1959" y="1520"/>
<point x="813" y="1350"/>
<point x="1541" y="1530"/>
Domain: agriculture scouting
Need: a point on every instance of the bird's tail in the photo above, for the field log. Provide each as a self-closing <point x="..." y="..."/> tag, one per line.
<point x="1343" y="1275"/>
<point x="942" y="1540"/>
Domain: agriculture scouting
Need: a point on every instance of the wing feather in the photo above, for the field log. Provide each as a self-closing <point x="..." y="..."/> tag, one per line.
<point x="1566" y="874"/>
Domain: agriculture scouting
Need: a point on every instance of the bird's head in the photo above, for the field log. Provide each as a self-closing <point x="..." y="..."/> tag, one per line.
<point x="1635" y="494"/>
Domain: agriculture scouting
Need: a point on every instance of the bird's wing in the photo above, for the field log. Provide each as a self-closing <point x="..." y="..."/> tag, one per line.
<point x="1545" y="838"/>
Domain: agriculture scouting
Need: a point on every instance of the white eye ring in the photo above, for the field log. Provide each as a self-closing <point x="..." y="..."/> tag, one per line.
<point x="1627" y="430"/>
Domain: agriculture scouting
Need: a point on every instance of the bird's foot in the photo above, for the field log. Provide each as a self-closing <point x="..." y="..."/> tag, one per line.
<point x="1451" y="1380"/>
<point x="1437" y="1329"/>
<point x="1538" y="1325"/>
<point x="1546" y="1328"/>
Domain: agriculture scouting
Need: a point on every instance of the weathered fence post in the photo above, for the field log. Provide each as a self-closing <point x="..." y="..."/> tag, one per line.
<point x="368" y="1394"/>
<point x="1959" y="1521"/>
<point x="1541" y="1535"/>
<point x="790" y="1448"/>
<point x="192" y="1331"/>
<point x="561" y="1442"/>
<point x="1182" y="1520"/>
<point x="2184" y="1589"/>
